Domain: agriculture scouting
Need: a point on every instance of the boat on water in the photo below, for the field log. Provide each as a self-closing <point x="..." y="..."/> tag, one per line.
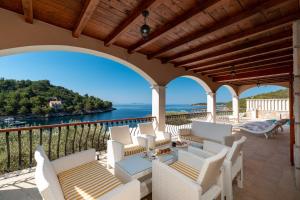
<point x="11" y="122"/>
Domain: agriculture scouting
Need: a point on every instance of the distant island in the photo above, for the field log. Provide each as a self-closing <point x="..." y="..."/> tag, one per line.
<point x="25" y="98"/>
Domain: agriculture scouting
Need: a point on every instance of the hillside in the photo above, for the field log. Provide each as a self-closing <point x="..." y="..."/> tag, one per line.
<point x="279" y="94"/>
<point x="25" y="97"/>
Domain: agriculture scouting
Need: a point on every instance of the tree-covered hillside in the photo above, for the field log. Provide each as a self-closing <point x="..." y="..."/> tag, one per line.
<point x="27" y="97"/>
<point x="279" y="94"/>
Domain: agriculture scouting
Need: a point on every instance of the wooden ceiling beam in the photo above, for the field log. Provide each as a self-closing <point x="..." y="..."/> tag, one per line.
<point x="28" y="10"/>
<point x="253" y="69"/>
<point x="263" y="28"/>
<point x="124" y="25"/>
<point x="249" y="12"/>
<point x="86" y="13"/>
<point x="235" y="60"/>
<point x="241" y="68"/>
<point x="254" y="75"/>
<point x="261" y="42"/>
<point x="199" y="7"/>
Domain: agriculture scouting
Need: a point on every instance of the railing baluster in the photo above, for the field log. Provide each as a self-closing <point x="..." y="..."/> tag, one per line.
<point x="104" y="135"/>
<point x="82" y="128"/>
<point x="67" y="137"/>
<point x="87" y="136"/>
<point x="49" y="143"/>
<point x="7" y="151"/>
<point x="99" y="136"/>
<point x="93" y="137"/>
<point x="58" y="142"/>
<point x="74" y="138"/>
<point x="30" y="148"/>
<point x="41" y="136"/>
<point x="19" y="150"/>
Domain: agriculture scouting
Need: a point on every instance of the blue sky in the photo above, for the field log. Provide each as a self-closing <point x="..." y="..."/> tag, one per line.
<point x="88" y="74"/>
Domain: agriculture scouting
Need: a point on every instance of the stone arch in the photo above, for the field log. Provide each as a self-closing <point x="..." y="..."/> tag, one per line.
<point x="231" y="90"/>
<point x="248" y="87"/>
<point x="81" y="50"/>
<point x="202" y="83"/>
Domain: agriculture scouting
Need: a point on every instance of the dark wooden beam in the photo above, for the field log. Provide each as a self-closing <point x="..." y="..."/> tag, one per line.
<point x="199" y="7"/>
<point x="248" y="62"/>
<point x="224" y="71"/>
<point x="255" y="54"/>
<point x="264" y="81"/>
<point x="219" y="25"/>
<point x="244" y="60"/>
<point x="255" y="75"/>
<point x="86" y="13"/>
<point x="261" y="42"/>
<point x="121" y="28"/>
<point x="28" y="10"/>
<point x="253" y="69"/>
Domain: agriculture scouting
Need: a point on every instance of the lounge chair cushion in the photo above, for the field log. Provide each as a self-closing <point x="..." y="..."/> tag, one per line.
<point x="193" y="138"/>
<point x="131" y="149"/>
<point x="147" y="129"/>
<point x="87" y="181"/>
<point x="186" y="170"/>
<point x="121" y="134"/>
<point x="162" y="142"/>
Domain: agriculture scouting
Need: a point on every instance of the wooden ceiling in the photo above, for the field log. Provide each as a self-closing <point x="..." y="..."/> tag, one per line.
<point x="231" y="41"/>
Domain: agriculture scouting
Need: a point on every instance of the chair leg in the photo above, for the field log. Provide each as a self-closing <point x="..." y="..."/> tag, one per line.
<point x="240" y="179"/>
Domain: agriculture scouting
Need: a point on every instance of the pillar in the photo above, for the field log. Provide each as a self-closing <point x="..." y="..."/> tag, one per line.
<point x="211" y="106"/>
<point x="159" y="105"/>
<point x="235" y="107"/>
<point x="296" y="93"/>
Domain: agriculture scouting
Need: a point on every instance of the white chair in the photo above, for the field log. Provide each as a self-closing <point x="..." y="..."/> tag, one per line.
<point x="155" y="138"/>
<point x="80" y="176"/>
<point x="122" y="144"/>
<point x="191" y="177"/>
<point x="233" y="164"/>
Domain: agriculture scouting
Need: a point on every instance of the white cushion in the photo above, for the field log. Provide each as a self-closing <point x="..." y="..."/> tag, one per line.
<point x="121" y="134"/>
<point x="146" y="128"/>
<point x="45" y="177"/>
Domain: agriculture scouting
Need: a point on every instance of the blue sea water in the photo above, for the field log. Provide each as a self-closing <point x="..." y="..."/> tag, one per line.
<point x="121" y="112"/>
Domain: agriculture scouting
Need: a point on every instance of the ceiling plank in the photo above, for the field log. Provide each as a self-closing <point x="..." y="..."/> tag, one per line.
<point x="257" y="63"/>
<point x="199" y="7"/>
<point x="253" y="69"/>
<point x="121" y="28"/>
<point x="249" y="12"/>
<point x="254" y="75"/>
<point x="261" y="42"/>
<point x="263" y="28"/>
<point x="86" y="13"/>
<point x="270" y="52"/>
<point x="28" y="10"/>
<point x="241" y="68"/>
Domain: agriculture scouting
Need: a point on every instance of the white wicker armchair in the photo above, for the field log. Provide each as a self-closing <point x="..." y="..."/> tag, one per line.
<point x="233" y="164"/>
<point x="122" y="144"/>
<point x="191" y="177"/>
<point x="155" y="138"/>
<point x="80" y="176"/>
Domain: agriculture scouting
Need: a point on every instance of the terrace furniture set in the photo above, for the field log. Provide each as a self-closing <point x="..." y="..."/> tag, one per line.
<point x="203" y="170"/>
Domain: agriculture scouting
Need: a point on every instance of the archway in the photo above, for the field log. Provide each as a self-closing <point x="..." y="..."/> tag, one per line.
<point x="36" y="48"/>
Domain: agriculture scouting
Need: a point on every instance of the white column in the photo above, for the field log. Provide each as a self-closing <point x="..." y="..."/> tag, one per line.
<point x="211" y="106"/>
<point x="159" y="105"/>
<point x="235" y="107"/>
<point x="296" y="71"/>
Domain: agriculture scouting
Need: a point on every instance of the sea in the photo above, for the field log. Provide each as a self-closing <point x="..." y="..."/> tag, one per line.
<point x="122" y="111"/>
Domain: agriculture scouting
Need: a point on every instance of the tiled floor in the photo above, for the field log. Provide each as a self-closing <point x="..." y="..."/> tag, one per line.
<point x="268" y="174"/>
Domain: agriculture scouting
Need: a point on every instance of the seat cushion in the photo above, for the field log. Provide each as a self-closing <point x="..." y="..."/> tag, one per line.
<point x="192" y="138"/>
<point x="131" y="149"/>
<point x="87" y="181"/>
<point x="121" y="134"/>
<point x="186" y="170"/>
<point x="162" y="142"/>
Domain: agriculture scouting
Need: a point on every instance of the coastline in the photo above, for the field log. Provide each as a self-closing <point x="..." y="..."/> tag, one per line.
<point x="37" y="117"/>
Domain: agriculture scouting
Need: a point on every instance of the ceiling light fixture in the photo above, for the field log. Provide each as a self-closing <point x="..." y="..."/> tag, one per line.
<point x="145" y="28"/>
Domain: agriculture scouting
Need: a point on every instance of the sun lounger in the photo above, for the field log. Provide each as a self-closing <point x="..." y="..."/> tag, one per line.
<point x="266" y="128"/>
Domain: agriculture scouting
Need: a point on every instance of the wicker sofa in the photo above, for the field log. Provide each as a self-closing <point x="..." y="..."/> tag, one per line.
<point x="200" y="131"/>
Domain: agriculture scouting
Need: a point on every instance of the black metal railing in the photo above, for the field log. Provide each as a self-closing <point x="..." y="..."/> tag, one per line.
<point x="18" y="144"/>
